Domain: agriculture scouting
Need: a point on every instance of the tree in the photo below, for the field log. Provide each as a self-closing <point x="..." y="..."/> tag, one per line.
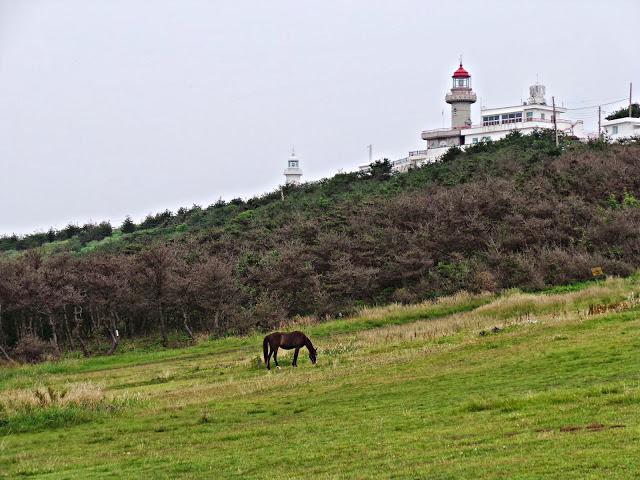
<point x="158" y="220"/>
<point x="128" y="226"/>
<point x="8" y="299"/>
<point x="152" y="272"/>
<point x="380" y="169"/>
<point x="624" y="112"/>
<point x="92" y="232"/>
<point x="69" y="231"/>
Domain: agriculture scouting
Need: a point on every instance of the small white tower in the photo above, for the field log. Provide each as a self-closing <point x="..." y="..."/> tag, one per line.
<point x="293" y="172"/>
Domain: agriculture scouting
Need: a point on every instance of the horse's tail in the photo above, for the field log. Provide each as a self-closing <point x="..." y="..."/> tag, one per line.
<point x="265" y="348"/>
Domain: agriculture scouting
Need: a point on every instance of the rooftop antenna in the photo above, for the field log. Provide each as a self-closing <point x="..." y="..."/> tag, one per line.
<point x="460" y="59"/>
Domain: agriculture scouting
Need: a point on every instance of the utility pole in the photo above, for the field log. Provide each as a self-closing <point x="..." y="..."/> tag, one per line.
<point x="555" y="123"/>
<point x="630" y="92"/>
<point x="599" y="121"/>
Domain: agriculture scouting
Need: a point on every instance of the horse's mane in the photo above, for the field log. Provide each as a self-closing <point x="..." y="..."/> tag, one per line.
<point x="308" y="344"/>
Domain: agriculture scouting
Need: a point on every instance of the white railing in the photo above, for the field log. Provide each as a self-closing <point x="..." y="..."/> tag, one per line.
<point x="417" y="152"/>
<point x="501" y="125"/>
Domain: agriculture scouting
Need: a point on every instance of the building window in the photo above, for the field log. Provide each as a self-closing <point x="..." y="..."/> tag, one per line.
<point x="293" y="164"/>
<point x="615" y="130"/>
<point x="486" y="139"/>
<point x="474" y="140"/>
<point x="543" y="116"/>
<point x="490" y="120"/>
<point x="512" y="117"/>
<point x="529" y="116"/>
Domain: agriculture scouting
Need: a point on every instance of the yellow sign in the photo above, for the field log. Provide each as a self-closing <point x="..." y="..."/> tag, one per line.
<point x="597" y="271"/>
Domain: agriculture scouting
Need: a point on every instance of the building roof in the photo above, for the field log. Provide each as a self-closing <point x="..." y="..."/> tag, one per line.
<point x="461" y="73"/>
<point x="618" y="121"/>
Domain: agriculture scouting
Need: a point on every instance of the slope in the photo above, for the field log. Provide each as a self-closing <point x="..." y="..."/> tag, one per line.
<point x="554" y="391"/>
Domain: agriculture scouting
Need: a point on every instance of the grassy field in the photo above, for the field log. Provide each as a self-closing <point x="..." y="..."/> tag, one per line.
<point x="424" y="391"/>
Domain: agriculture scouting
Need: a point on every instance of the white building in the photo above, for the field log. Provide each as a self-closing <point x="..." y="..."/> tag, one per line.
<point x="495" y="123"/>
<point x="622" y="128"/>
<point x="293" y="172"/>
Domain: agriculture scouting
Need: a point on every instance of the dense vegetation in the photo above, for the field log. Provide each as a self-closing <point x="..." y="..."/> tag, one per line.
<point x="624" y="112"/>
<point x="518" y="212"/>
<point x="551" y="390"/>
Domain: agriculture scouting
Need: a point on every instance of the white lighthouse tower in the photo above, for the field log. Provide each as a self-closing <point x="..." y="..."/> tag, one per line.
<point x="460" y="98"/>
<point x="293" y="172"/>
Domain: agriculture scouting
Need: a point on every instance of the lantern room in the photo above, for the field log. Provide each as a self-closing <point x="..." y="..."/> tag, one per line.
<point x="461" y="78"/>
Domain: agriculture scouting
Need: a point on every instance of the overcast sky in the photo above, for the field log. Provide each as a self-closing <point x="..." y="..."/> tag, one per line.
<point x="116" y="107"/>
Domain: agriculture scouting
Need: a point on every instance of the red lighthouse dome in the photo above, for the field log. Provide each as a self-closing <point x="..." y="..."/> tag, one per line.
<point x="461" y="73"/>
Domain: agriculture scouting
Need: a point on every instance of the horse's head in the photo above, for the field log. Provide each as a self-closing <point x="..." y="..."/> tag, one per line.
<point x="312" y="355"/>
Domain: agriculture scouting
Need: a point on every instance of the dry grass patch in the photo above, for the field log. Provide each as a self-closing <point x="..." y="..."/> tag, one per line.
<point x="86" y="395"/>
<point x="398" y="309"/>
<point x="513" y="308"/>
<point x="515" y="303"/>
<point x="50" y="407"/>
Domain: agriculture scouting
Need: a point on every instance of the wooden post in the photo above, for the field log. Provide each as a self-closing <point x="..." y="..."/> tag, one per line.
<point x="555" y="123"/>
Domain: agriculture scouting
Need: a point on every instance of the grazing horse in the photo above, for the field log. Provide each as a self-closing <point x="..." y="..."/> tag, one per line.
<point x="287" y="341"/>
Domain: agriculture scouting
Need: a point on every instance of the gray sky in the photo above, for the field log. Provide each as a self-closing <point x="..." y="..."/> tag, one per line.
<point x="115" y="107"/>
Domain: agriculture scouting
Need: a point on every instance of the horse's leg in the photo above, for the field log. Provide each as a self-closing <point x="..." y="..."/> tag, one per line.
<point x="269" y="360"/>
<point x="275" y="356"/>
<point x="295" y="357"/>
<point x="267" y="355"/>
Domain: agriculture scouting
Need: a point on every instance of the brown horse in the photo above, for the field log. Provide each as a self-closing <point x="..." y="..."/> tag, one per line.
<point x="287" y="341"/>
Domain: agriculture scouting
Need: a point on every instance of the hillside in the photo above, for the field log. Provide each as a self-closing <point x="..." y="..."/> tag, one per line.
<point x="424" y="391"/>
<point x="515" y="213"/>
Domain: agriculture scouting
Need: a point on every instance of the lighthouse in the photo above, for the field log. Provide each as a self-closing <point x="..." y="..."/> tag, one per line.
<point x="460" y="98"/>
<point x="293" y="172"/>
<point x="495" y="123"/>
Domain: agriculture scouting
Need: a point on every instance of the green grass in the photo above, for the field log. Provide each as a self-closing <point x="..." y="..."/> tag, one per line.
<point x="399" y="392"/>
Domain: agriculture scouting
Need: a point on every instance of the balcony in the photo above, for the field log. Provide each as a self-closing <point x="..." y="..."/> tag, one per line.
<point x="460" y="96"/>
<point x="440" y="133"/>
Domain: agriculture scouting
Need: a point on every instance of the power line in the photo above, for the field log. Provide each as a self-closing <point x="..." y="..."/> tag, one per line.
<point x="598" y="105"/>
<point x="592" y="100"/>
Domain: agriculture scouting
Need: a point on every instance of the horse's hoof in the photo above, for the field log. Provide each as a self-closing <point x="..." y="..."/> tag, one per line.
<point x="278" y="367"/>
